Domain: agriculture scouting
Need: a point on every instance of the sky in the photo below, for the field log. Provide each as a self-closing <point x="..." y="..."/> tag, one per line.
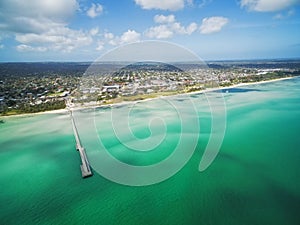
<point x="83" y="30"/>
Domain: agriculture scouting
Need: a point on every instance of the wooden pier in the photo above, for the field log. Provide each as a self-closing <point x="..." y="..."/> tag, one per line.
<point x="85" y="166"/>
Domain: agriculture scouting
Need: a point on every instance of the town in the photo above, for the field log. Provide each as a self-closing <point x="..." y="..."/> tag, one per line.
<point x="37" y="87"/>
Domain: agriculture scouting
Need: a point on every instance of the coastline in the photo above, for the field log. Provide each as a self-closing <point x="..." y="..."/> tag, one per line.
<point x="183" y="94"/>
<point x="250" y="83"/>
<point x="66" y="110"/>
<point x="56" y="111"/>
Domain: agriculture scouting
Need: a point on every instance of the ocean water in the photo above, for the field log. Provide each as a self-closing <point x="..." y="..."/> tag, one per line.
<point x="253" y="180"/>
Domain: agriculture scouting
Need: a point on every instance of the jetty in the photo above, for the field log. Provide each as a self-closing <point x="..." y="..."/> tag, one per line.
<point x="85" y="166"/>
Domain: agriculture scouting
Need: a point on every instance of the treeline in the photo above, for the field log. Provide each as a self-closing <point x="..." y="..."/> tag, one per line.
<point x="28" y="108"/>
<point x="263" y="77"/>
<point x="40" y="69"/>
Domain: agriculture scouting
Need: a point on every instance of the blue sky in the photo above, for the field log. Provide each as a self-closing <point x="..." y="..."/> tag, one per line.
<point x="83" y="30"/>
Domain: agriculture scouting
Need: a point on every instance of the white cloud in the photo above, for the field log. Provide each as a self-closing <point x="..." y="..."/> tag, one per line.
<point x="114" y="42"/>
<point x="164" y="19"/>
<point x="159" y="32"/>
<point x="204" y="3"/>
<point x="28" y="48"/>
<point x="43" y="25"/>
<point x="267" y="5"/>
<point x="57" y="39"/>
<point x="172" y="5"/>
<point x="111" y="39"/>
<point x="191" y="28"/>
<point x="35" y="15"/>
<point x="95" y="10"/>
<point x="127" y="37"/>
<point x="108" y="35"/>
<point x="100" y="45"/>
<point x="168" y="27"/>
<point x="94" y="31"/>
<point x="177" y="28"/>
<point x="130" y="36"/>
<point x="213" y="24"/>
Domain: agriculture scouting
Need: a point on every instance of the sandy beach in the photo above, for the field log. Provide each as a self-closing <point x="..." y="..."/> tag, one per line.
<point x="57" y="111"/>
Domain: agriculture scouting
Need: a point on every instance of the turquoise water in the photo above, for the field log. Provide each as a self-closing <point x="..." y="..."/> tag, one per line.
<point x="253" y="180"/>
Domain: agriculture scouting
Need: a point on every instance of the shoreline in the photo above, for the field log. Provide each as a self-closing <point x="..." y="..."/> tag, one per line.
<point x="66" y="110"/>
<point x="56" y="111"/>
<point x="183" y="94"/>
<point x="250" y="83"/>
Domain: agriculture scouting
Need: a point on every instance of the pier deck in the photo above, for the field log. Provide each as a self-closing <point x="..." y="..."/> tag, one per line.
<point x="85" y="166"/>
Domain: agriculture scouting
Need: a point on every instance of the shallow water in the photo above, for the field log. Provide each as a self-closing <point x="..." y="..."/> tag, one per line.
<point x="253" y="180"/>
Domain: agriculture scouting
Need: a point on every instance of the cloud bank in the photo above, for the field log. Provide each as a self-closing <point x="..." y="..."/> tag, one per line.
<point x="42" y="25"/>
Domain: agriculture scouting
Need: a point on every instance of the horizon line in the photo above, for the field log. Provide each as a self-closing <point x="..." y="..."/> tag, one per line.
<point x="209" y="60"/>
